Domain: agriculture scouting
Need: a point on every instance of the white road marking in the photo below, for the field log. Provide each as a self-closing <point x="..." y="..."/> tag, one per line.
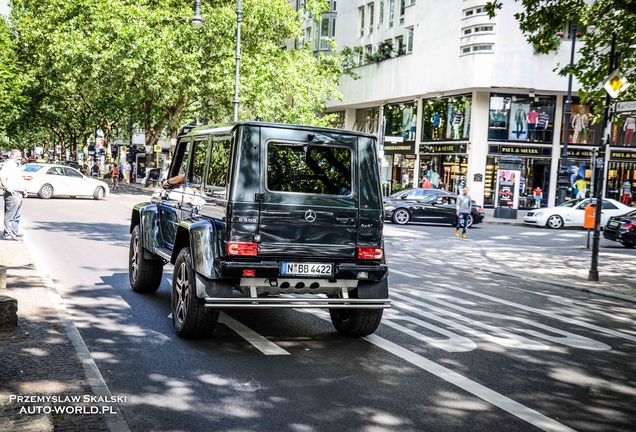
<point x="495" y="335"/>
<point x="453" y="343"/>
<point x="566" y="338"/>
<point x="520" y="411"/>
<point x="261" y="343"/>
<point x="409" y="275"/>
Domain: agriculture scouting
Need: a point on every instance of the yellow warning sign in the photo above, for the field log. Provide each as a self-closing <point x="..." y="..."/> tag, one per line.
<point x="616" y="83"/>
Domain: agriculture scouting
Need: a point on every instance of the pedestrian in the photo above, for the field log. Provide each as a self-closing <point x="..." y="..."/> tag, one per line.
<point x="95" y="170"/>
<point x="127" y="169"/>
<point x="134" y="172"/>
<point x="464" y="205"/>
<point x="13" y="185"/>
<point x="626" y="198"/>
<point x="115" y="178"/>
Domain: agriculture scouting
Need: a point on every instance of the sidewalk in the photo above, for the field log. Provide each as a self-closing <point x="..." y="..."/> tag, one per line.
<point x="491" y="219"/>
<point x="38" y="357"/>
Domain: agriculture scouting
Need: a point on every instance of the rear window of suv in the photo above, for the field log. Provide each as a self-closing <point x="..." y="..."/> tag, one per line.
<point x="305" y="168"/>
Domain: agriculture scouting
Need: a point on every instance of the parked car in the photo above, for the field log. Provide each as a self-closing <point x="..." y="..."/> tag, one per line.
<point x="49" y="180"/>
<point x="414" y="194"/>
<point x="436" y="208"/>
<point x="265" y="215"/>
<point x="572" y="213"/>
<point x="622" y="229"/>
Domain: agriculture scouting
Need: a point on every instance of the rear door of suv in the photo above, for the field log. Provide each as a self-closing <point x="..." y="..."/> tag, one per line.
<point x="309" y="204"/>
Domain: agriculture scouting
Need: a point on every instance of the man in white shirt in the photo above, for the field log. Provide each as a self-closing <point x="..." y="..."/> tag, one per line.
<point x="12" y="183"/>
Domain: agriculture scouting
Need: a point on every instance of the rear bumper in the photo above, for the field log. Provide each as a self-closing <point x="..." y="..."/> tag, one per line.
<point x="271" y="269"/>
<point x="288" y="302"/>
<point x="619" y="235"/>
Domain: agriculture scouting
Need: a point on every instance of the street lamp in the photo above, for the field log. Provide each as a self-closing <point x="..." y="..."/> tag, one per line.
<point x="197" y="21"/>
<point x="564" y="174"/>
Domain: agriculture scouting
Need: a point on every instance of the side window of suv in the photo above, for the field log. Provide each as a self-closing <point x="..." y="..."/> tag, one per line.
<point x="197" y="167"/>
<point x="218" y="166"/>
<point x="181" y="158"/>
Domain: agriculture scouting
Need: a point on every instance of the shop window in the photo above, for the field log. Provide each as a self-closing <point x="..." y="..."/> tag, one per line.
<point x="534" y="181"/>
<point x="582" y="130"/>
<point x="445" y="172"/>
<point x="623" y="130"/>
<point x="400" y="120"/>
<point x="409" y="40"/>
<point x="521" y="118"/>
<point x="446" y="119"/>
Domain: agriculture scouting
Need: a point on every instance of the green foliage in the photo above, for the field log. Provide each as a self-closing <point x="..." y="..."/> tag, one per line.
<point x="11" y="81"/>
<point x="540" y="20"/>
<point x="106" y="62"/>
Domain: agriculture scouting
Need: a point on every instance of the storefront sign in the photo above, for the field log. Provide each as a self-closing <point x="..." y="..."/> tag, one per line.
<point x="579" y="154"/>
<point x="623" y="156"/>
<point x="626" y="106"/>
<point x="518" y="150"/>
<point x="407" y="147"/>
<point x="444" y="148"/>
<point x="507" y="192"/>
<point x="478" y="178"/>
<point x="410" y="156"/>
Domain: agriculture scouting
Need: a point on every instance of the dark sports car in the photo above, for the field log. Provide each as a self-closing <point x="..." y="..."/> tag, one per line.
<point x="622" y="229"/>
<point x="436" y="208"/>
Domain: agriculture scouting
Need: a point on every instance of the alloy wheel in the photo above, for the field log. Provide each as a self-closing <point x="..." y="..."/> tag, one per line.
<point x="46" y="191"/>
<point x="182" y="289"/>
<point x="134" y="260"/>
<point x="401" y="217"/>
<point x="555" y="222"/>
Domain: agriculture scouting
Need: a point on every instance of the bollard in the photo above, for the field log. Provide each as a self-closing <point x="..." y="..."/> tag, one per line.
<point x="8" y="312"/>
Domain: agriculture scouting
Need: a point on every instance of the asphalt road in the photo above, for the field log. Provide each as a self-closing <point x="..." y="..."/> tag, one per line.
<point x="461" y="349"/>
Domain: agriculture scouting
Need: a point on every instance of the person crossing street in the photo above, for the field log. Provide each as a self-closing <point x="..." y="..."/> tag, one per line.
<point x="464" y="204"/>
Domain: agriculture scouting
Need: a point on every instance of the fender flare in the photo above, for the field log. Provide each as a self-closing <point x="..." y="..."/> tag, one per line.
<point x="146" y="216"/>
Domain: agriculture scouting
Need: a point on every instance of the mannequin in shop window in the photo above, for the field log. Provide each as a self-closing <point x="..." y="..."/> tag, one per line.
<point x="580" y="123"/>
<point x="520" y="117"/>
<point x="458" y="120"/>
<point x="533" y="118"/>
<point x="538" y="196"/>
<point x="542" y="125"/>
<point x="628" y="129"/>
<point x="436" y="123"/>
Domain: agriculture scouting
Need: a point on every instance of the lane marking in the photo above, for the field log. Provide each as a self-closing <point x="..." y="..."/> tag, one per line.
<point x="565" y="338"/>
<point x="518" y="410"/>
<point x="409" y="275"/>
<point x="261" y="343"/>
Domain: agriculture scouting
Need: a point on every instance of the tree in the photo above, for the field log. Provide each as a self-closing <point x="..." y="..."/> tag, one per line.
<point x="11" y="81"/>
<point x="540" y="20"/>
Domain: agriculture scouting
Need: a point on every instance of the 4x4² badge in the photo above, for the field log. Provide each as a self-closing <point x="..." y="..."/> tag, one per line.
<point x="310" y="215"/>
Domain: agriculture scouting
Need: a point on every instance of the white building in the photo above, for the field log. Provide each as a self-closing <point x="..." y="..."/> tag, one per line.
<point x="456" y="93"/>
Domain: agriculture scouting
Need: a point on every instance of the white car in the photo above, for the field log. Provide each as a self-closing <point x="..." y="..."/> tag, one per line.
<point x="48" y="180"/>
<point x="572" y="214"/>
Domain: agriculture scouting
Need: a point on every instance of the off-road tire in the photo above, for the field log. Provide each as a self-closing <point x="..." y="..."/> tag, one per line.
<point x="144" y="274"/>
<point x="190" y="317"/>
<point x="99" y="193"/>
<point x="46" y="191"/>
<point x="401" y="216"/>
<point x="355" y="322"/>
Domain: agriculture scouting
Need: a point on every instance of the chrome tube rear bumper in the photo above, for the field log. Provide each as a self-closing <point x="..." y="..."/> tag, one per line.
<point x="296" y="302"/>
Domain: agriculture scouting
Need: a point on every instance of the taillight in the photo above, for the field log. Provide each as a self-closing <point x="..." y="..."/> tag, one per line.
<point x="249" y="273"/>
<point x="629" y="225"/>
<point x="480" y="210"/>
<point x="370" y="253"/>
<point x="242" y="249"/>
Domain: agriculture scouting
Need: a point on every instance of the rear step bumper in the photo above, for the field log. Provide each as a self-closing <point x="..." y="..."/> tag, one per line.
<point x="296" y="302"/>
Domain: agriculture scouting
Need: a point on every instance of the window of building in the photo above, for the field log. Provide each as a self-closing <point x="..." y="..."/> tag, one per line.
<point x="477" y="49"/>
<point x="381" y="18"/>
<point x="402" y="8"/>
<point x="465" y="50"/>
<point x="361" y="12"/>
<point x="308" y="34"/>
<point x="391" y="12"/>
<point x="409" y="40"/>
<point x="411" y="2"/>
<point x="304" y="168"/>
<point x="368" y="50"/>
<point x="480" y="10"/>
<point x="338" y="120"/>
<point x="478" y="29"/>
<point x="446" y="119"/>
<point x="399" y="43"/>
<point x="521" y="118"/>
<point x="367" y="120"/>
<point x="371" y="10"/>
<point x="400" y="120"/>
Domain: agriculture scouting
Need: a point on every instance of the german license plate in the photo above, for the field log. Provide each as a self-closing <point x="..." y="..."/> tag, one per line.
<point x="613" y="224"/>
<point x="305" y="269"/>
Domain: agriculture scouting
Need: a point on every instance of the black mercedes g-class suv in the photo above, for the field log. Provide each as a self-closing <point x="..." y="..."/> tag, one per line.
<point x="264" y="215"/>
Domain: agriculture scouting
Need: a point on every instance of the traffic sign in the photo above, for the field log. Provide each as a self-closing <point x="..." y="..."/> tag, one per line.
<point x="616" y="83"/>
<point x="123" y="149"/>
<point x="625" y="106"/>
<point x="157" y="148"/>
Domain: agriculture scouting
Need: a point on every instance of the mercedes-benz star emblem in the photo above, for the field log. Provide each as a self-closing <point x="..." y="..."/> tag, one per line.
<point x="310" y="215"/>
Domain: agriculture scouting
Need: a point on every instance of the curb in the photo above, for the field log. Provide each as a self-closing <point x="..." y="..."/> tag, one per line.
<point x="492" y="222"/>
<point x="115" y="423"/>
<point x="574" y="286"/>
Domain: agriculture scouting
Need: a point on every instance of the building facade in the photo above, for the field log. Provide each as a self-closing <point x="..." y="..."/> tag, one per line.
<point x="452" y="93"/>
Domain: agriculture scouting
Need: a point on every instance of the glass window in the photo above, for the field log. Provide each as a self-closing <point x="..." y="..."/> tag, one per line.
<point x="521" y="118"/>
<point x="608" y="205"/>
<point x="180" y="161"/>
<point x="391" y="12"/>
<point x="582" y="130"/>
<point x="402" y="7"/>
<point x="361" y="12"/>
<point x="371" y="16"/>
<point x="305" y="168"/>
<point x="55" y="171"/>
<point x="409" y="41"/>
<point x="400" y="120"/>
<point x="218" y="167"/>
<point x="447" y="119"/>
<point x="33" y="168"/>
<point x="197" y="171"/>
<point x="399" y="42"/>
<point x="381" y="11"/>
<point x="70" y="172"/>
